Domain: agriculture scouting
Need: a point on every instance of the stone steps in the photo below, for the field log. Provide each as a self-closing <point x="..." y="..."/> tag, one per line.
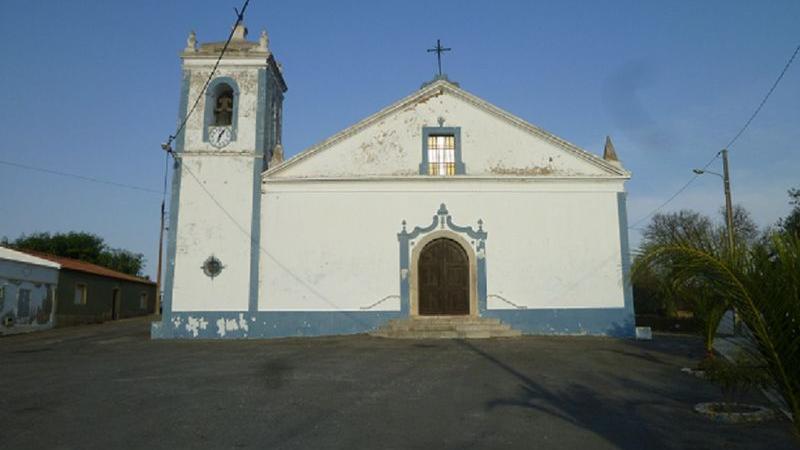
<point x="445" y="327"/>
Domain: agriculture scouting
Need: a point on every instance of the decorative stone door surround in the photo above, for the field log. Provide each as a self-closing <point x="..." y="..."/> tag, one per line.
<point x="442" y="226"/>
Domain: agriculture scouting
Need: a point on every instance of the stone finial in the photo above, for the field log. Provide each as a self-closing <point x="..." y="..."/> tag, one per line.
<point x="240" y="32"/>
<point x="277" y="155"/>
<point x="191" y="42"/>
<point x="263" y="41"/>
<point x="609" y="154"/>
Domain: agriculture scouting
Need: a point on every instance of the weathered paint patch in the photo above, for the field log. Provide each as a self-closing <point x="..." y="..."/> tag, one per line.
<point x="194" y="325"/>
<point x="521" y="171"/>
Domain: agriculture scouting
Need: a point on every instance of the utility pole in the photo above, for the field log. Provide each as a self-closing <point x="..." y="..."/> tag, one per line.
<point x="728" y="203"/>
<point x="167" y="151"/>
<point x="726" y="182"/>
<point x="160" y="254"/>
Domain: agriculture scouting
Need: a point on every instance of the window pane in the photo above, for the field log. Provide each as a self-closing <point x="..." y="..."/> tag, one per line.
<point x="80" y="294"/>
<point x="441" y="155"/>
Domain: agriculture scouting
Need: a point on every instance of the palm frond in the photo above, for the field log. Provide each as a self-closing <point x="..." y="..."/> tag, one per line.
<point x="761" y="280"/>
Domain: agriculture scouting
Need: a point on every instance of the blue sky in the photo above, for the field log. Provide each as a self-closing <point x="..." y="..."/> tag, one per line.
<point x="92" y="87"/>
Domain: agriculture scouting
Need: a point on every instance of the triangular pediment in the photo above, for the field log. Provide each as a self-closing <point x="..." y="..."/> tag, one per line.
<point x="493" y="143"/>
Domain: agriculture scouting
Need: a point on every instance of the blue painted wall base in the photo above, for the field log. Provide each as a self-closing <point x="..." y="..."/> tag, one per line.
<point x="615" y="322"/>
<point x="267" y="324"/>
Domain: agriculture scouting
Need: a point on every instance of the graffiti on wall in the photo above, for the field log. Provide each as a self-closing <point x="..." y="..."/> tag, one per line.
<point x="25" y="305"/>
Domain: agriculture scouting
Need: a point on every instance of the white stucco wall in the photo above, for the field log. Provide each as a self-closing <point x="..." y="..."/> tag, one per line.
<point x="333" y="245"/>
<point x="204" y="230"/>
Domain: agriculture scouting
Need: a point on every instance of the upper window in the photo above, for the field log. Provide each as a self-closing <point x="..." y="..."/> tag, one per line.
<point x="442" y="154"/>
<point x="223" y="106"/>
<point x="441" y="151"/>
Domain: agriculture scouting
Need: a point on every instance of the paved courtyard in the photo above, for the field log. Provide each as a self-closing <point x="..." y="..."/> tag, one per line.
<point x="109" y="386"/>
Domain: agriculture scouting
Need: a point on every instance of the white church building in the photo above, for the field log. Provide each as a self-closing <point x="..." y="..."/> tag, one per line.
<point x="440" y="205"/>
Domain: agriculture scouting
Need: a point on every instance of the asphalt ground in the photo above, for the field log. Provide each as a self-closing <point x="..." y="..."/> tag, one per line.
<point x="110" y="387"/>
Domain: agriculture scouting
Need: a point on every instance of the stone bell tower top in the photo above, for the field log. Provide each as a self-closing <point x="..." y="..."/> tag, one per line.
<point x="242" y="95"/>
<point x="239" y="47"/>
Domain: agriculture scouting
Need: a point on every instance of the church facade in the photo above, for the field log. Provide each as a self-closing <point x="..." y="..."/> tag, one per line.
<point x="440" y="204"/>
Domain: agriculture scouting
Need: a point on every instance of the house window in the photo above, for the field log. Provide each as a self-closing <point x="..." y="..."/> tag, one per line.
<point x="80" y="294"/>
<point x="143" y="300"/>
<point x="2" y="296"/>
<point x="23" y="303"/>
<point x="441" y="151"/>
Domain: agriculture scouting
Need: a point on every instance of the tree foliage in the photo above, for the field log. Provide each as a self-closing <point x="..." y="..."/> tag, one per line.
<point x="791" y="223"/>
<point x="653" y="290"/>
<point x="81" y="246"/>
<point x="745" y="229"/>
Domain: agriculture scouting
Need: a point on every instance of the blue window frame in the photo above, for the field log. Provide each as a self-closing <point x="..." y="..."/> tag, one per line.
<point x="441" y="151"/>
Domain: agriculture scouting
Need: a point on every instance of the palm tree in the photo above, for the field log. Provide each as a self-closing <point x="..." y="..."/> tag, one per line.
<point x="675" y="288"/>
<point x="762" y="280"/>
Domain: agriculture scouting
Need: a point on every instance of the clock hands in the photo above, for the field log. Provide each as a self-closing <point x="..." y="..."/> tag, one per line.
<point x="219" y="136"/>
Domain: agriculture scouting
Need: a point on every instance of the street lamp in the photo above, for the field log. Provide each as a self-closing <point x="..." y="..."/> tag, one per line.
<point x="702" y="171"/>
<point x="726" y="180"/>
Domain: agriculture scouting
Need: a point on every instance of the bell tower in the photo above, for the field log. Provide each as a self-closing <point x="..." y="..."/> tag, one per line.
<point x="213" y="244"/>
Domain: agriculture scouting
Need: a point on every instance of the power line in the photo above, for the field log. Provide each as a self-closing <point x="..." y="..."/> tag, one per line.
<point x="79" y="177"/>
<point x="730" y="143"/>
<point x="766" y="97"/>
<point x="674" y="196"/>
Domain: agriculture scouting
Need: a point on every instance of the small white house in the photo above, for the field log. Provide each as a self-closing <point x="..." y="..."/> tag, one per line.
<point x="27" y="292"/>
<point x="440" y="204"/>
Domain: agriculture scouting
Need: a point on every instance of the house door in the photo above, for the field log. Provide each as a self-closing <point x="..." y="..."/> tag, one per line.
<point x="115" y="304"/>
<point x="443" y="279"/>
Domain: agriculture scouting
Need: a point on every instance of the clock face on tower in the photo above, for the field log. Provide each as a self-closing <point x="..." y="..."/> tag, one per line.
<point x="219" y="136"/>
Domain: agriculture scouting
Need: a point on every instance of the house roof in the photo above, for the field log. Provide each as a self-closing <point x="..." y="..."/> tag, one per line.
<point x="85" y="267"/>
<point x="17" y="256"/>
<point x="437" y="88"/>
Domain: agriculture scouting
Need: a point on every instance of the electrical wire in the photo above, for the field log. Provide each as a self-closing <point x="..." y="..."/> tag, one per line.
<point x="766" y="97"/>
<point x="674" y="196"/>
<point x="79" y="177"/>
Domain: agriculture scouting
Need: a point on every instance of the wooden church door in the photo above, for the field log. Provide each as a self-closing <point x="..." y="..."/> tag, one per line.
<point x="443" y="279"/>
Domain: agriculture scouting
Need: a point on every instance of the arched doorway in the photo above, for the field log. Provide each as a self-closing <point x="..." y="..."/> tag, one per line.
<point x="443" y="279"/>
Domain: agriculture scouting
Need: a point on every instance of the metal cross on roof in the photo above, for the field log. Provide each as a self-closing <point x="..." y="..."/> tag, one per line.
<point x="439" y="49"/>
